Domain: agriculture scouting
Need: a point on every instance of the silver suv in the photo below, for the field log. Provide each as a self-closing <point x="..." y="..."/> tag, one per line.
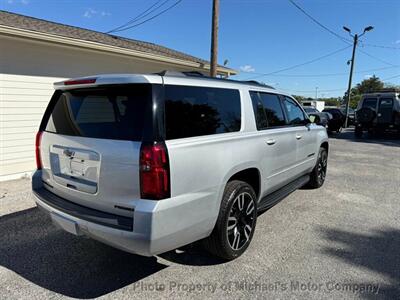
<point x="149" y="163"/>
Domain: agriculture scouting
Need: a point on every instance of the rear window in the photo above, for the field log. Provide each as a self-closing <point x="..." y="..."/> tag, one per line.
<point x="106" y="113"/>
<point x="370" y="102"/>
<point x="196" y="111"/>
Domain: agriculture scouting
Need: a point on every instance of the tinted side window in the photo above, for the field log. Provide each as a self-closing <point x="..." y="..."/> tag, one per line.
<point x="273" y="109"/>
<point x="195" y="111"/>
<point x="294" y="113"/>
<point x="259" y="112"/>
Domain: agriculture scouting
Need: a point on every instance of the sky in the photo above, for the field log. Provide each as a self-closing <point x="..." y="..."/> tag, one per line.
<point x="255" y="36"/>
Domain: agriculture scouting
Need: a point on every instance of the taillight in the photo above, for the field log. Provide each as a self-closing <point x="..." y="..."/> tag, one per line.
<point x="37" y="150"/>
<point x="154" y="171"/>
<point x="80" y="81"/>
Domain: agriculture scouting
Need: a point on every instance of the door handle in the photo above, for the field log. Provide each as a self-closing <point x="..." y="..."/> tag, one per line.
<point x="271" y="141"/>
<point x="298" y="136"/>
<point x="68" y="152"/>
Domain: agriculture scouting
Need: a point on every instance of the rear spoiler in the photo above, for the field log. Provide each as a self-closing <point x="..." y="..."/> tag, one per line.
<point x="107" y="79"/>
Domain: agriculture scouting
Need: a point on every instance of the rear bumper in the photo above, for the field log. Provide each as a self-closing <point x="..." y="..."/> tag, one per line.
<point x="379" y="126"/>
<point x="155" y="226"/>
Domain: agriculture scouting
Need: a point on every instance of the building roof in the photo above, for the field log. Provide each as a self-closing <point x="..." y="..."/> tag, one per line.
<point x="42" y="26"/>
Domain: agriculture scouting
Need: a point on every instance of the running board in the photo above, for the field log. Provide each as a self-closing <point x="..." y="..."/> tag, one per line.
<point x="275" y="197"/>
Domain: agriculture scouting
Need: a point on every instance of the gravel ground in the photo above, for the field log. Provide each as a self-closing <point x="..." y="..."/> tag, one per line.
<point x="341" y="241"/>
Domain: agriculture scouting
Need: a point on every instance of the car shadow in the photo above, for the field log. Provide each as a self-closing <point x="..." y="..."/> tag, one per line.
<point x="192" y="255"/>
<point x="377" y="251"/>
<point x="387" y="139"/>
<point x="72" y="266"/>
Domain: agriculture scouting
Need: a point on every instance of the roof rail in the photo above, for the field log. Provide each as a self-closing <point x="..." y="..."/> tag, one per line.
<point x="181" y="73"/>
<point x="255" y="82"/>
<point x="201" y="75"/>
<point x="194" y="74"/>
<point x="384" y="90"/>
<point x="170" y="73"/>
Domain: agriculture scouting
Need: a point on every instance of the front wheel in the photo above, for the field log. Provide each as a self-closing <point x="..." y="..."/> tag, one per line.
<point x="236" y="221"/>
<point x="318" y="174"/>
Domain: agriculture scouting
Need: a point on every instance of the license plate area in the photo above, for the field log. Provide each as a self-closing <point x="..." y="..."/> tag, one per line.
<point x="66" y="224"/>
<point x="75" y="168"/>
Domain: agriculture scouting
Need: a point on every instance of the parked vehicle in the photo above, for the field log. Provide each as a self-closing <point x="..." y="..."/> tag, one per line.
<point x="324" y="117"/>
<point x="149" y="163"/>
<point x="337" y="122"/>
<point x="352" y="115"/>
<point x="378" y="112"/>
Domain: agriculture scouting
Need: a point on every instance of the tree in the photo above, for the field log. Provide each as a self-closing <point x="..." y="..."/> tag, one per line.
<point x="366" y="86"/>
<point x="331" y="101"/>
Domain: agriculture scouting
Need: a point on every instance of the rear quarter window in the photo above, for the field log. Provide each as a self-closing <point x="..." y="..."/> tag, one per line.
<point x="195" y="111"/>
<point x="107" y="113"/>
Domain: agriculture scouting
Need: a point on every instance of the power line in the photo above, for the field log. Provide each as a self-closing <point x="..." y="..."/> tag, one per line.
<point x="320" y="75"/>
<point x="140" y="16"/>
<point x="377" y="58"/>
<point x="299" y="65"/>
<point x="312" y="91"/>
<point x="343" y="39"/>
<point x="330" y="90"/>
<point x="151" y="18"/>
<point x="395" y="76"/>
<point x="381" y="46"/>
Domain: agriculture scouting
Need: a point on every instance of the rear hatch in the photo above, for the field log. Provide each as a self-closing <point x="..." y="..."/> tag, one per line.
<point x="90" y="145"/>
<point x="385" y="110"/>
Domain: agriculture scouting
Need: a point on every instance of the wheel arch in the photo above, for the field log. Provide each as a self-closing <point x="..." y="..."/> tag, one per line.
<point x="250" y="175"/>
<point x="325" y="145"/>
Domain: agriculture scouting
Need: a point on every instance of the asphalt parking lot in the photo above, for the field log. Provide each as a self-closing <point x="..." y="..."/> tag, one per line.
<point x="341" y="241"/>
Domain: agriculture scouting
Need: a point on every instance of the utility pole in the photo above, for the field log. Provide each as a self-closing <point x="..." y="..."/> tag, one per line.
<point x="214" y="39"/>
<point x="316" y="93"/>
<point x="355" y="41"/>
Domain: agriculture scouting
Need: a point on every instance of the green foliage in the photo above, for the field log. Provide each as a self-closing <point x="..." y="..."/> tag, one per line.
<point x="354" y="99"/>
<point x="331" y="102"/>
<point x="368" y="85"/>
<point x="302" y="98"/>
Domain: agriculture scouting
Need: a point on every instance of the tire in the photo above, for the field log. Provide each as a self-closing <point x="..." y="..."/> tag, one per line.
<point x="318" y="174"/>
<point x="358" y="133"/>
<point x="230" y="237"/>
<point x="366" y="115"/>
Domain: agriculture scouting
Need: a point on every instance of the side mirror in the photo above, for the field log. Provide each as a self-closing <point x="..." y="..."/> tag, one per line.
<point x="315" y="119"/>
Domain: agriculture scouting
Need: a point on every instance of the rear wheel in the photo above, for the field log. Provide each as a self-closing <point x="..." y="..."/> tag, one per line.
<point x="358" y="132"/>
<point x="236" y="221"/>
<point x="318" y="174"/>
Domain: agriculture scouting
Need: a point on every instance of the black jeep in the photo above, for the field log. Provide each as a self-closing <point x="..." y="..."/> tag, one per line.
<point x="378" y="112"/>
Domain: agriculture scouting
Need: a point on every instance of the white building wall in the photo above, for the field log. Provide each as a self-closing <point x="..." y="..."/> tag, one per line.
<point x="28" y="70"/>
